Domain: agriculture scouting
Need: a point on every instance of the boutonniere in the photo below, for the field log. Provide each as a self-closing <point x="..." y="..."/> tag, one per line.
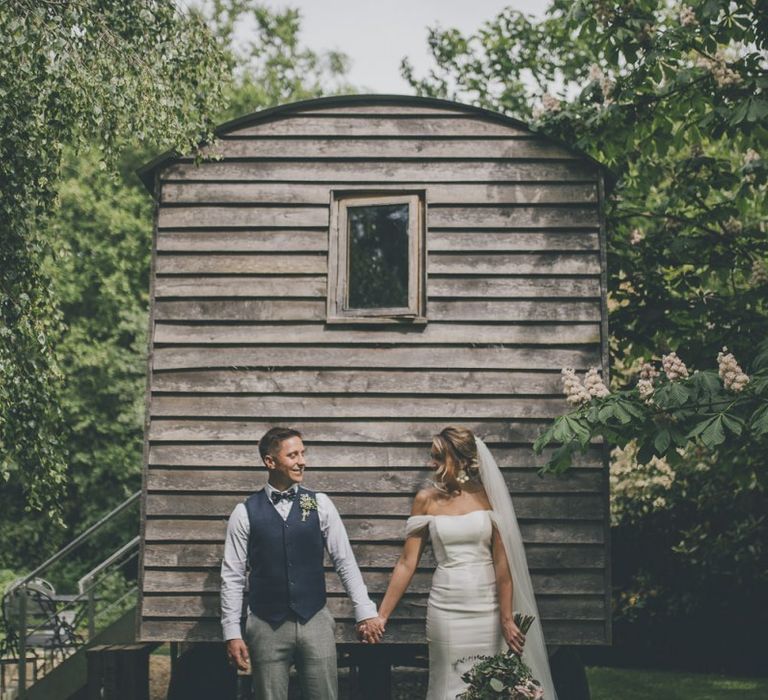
<point x="308" y="504"/>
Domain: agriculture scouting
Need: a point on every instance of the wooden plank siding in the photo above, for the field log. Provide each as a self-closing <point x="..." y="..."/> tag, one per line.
<point x="239" y="343"/>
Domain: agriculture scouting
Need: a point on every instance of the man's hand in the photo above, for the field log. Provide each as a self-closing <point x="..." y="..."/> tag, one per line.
<point x="238" y="654"/>
<point x="370" y="631"/>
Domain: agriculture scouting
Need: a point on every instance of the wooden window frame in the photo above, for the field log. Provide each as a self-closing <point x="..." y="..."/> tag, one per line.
<point x="338" y="262"/>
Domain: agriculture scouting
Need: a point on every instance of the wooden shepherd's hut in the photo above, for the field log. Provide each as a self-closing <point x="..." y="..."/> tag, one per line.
<point x="368" y="270"/>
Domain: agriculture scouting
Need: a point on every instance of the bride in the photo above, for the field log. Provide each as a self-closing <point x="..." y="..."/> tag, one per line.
<point x="481" y="576"/>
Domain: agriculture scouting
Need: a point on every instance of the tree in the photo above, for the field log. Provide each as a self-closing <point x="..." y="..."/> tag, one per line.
<point x="271" y="66"/>
<point x="672" y="98"/>
<point x="97" y="267"/>
<point x="89" y="71"/>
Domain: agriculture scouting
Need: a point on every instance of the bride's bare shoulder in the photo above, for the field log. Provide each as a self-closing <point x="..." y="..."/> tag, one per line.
<point x="424" y="499"/>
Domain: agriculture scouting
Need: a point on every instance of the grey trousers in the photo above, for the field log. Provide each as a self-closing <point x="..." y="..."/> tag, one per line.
<point x="311" y="647"/>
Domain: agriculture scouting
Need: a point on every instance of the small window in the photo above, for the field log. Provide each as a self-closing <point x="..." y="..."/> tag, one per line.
<point x="376" y="260"/>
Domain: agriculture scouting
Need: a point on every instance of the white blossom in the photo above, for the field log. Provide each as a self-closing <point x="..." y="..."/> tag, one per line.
<point x="718" y="66"/>
<point x="645" y="387"/>
<point x="732" y="375"/>
<point x="645" y="384"/>
<point x="733" y="226"/>
<point x="606" y="86"/>
<point x="636" y="235"/>
<point x="550" y="103"/>
<point x="688" y="16"/>
<point x="751" y="156"/>
<point x="575" y="392"/>
<point x="637" y="489"/>
<point x="674" y="367"/>
<point x="759" y="274"/>
<point x="593" y="383"/>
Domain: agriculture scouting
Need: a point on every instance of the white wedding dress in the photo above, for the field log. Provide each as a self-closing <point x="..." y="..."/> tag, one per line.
<point x="463" y="608"/>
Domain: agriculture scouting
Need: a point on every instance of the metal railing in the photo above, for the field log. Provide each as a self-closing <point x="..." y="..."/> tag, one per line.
<point x="101" y="593"/>
<point x="89" y="583"/>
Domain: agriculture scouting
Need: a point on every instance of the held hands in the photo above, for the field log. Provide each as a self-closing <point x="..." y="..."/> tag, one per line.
<point x="370" y="631"/>
<point x="237" y="652"/>
<point x="514" y="637"/>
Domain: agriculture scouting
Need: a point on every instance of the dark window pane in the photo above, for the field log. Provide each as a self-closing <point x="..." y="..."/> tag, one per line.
<point x="378" y="256"/>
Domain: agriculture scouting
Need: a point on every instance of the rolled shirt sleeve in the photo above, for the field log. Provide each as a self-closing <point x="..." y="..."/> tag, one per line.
<point x="343" y="558"/>
<point x="233" y="572"/>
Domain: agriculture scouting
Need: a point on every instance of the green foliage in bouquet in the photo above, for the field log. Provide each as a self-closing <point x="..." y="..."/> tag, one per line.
<point x="504" y="675"/>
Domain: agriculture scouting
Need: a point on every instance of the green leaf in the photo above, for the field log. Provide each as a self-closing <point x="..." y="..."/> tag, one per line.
<point x="645" y="452"/>
<point x="761" y="359"/>
<point x="543" y="440"/>
<point x="634" y="409"/>
<point x="562" y="430"/>
<point x="497" y="685"/>
<point x="678" y="394"/>
<point x="698" y="428"/>
<point x="578" y="429"/>
<point x="733" y="423"/>
<point x="606" y="412"/>
<point x="714" y="434"/>
<point x="622" y="414"/>
<point x="740" y="113"/>
<point x="759" y="421"/>
<point x="707" y="384"/>
<point x="757" y="110"/>
<point x="662" y="441"/>
<point x="560" y="461"/>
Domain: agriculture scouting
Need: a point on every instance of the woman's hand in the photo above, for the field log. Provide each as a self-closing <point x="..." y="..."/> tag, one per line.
<point x="370" y="631"/>
<point x="514" y="637"/>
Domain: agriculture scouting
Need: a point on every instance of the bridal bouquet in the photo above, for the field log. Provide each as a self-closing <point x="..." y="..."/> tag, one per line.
<point x="505" y="675"/>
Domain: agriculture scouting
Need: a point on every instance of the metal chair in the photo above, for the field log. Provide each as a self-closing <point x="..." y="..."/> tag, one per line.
<point x="36" y="635"/>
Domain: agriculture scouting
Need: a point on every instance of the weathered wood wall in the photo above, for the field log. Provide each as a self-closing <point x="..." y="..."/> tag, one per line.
<point x="239" y="344"/>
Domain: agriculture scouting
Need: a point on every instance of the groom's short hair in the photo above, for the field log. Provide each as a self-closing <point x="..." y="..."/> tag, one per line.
<point x="270" y="441"/>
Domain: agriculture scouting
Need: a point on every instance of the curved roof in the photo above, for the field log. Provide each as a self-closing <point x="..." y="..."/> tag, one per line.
<point x="147" y="171"/>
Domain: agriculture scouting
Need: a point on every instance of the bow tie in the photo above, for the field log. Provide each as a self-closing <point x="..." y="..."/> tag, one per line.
<point x="277" y="496"/>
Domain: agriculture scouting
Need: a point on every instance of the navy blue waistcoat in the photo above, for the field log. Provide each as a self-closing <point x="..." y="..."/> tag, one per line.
<point x="286" y="560"/>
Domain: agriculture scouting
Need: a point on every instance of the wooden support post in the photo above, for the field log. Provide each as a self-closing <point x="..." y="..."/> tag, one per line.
<point x="202" y="673"/>
<point x="569" y="674"/>
<point x="373" y="675"/>
<point x="118" y="672"/>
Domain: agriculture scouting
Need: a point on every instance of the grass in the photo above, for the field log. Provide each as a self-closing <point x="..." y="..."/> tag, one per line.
<point x="633" y="684"/>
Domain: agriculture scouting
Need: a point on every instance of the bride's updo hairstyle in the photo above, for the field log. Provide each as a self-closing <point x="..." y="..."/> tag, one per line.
<point x="455" y="452"/>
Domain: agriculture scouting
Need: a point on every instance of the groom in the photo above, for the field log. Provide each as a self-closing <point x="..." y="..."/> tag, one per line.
<point x="281" y="531"/>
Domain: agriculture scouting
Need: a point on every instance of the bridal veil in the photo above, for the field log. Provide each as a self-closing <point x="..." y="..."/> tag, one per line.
<point x="523" y="599"/>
